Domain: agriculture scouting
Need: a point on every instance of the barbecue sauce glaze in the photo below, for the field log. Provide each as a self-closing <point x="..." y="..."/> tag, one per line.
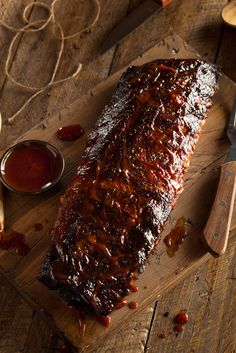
<point x="127" y="182"/>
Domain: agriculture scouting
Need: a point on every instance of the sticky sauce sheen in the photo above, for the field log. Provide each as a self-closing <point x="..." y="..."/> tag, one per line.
<point x="181" y="318"/>
<point x="176" y="237"/>
<point x="105" y="320"/>
<point x="127" y="182"/>
<point x="70" y="132"/>
<point x="133" y="305"/>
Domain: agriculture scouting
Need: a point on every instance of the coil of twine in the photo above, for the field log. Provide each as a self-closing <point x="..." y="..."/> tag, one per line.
<point x="58" y="32"/>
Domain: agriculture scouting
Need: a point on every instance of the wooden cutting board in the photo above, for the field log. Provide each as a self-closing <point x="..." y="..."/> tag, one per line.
<point x="23" y="212"/>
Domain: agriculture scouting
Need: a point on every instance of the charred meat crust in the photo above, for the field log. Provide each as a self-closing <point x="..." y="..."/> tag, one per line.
<point x="127" y="183"/>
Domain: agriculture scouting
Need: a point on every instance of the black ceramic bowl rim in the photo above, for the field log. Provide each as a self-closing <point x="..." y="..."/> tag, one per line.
<point x="38" y="142"/>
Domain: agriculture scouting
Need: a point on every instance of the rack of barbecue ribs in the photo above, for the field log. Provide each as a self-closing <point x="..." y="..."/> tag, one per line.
<point x="127" y="182"/>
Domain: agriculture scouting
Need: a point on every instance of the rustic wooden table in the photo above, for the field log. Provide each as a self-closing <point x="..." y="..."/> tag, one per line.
<point x="210" y="294"/>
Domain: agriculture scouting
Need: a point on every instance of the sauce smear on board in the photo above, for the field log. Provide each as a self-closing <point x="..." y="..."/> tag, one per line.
<point x="176" y="237"/>
<point x="38" y="227"/>
<point x="15" y="241"/>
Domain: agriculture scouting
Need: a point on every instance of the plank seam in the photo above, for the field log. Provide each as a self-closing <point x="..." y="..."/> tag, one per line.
<point x="35" y="307"/>
<point x="117" y="46"/>
<point x="150" y="328"/>
<point x="219" y="43"/>
<point x="29" y="330"/>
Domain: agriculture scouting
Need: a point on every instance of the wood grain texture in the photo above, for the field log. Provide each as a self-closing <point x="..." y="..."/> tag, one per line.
<point x="205" y="33"/>
<point x="35" y="57"/>
<point x="162" y="271"/>
<point x="216" y="232"/>
<point x="15" y="318"/>
<point x="226" y="57"/>
<point x="197" y="22"/>
<point x="203" y="295"/>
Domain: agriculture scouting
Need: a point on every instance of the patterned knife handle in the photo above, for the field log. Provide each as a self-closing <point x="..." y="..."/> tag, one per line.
<point x="216" y="232"/>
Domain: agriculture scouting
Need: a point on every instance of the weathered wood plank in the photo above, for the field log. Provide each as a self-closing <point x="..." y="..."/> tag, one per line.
<point x="205" y="295"/>
<point x="193" y="204"/>
<point x="40" y="338"/>
<point x="35" y="58"/>
<point x="197" y="22"/>
<point x="15" y="319"/>
<point x="227" y="52"/>
<point x="131" y="338"/>
<point x="224" y="59"/>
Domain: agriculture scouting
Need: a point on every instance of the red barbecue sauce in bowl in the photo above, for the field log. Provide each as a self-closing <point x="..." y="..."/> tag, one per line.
<point x="31" y="166"/>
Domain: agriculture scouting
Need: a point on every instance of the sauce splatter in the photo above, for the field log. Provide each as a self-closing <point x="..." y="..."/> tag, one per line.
<point x="182" y="318"/>
<point x="70" y="132"/>
<point x="133" y="305"/>
<point x="105" y="320"/>
<point x="134" y="289"/>
<point x="178" y="328"/>
<point x="162" y="335"/>
<point x="176" y="237"/>
<point x="38" y="227"/>
<point x="16" y="241"/>
<point x="166" y="314"/>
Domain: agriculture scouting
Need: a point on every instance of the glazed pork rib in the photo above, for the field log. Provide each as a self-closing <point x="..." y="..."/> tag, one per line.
<point x="127" y="183"/>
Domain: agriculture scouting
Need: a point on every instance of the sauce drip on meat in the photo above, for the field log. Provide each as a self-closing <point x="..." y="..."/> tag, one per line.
<point x="127" y="182"/>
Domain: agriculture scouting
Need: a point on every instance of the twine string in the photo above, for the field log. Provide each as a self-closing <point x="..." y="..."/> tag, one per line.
<point x="36" y="26"/>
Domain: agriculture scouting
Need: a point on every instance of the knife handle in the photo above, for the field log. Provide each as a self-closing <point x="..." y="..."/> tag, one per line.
<point x="216" y="232"/>
<point x="163" y="3"/>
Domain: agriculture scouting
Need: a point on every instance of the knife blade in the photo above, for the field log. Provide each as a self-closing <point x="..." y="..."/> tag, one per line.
<point x="134" y="19"/>
<point x="216" y="232"/>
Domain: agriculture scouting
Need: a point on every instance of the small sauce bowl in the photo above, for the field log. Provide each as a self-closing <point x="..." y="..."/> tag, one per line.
<point x="31" y="166"/>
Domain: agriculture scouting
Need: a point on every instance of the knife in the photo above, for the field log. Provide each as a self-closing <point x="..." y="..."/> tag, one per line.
<point x="132" y="21"/>
<point x="216" y="232"/>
